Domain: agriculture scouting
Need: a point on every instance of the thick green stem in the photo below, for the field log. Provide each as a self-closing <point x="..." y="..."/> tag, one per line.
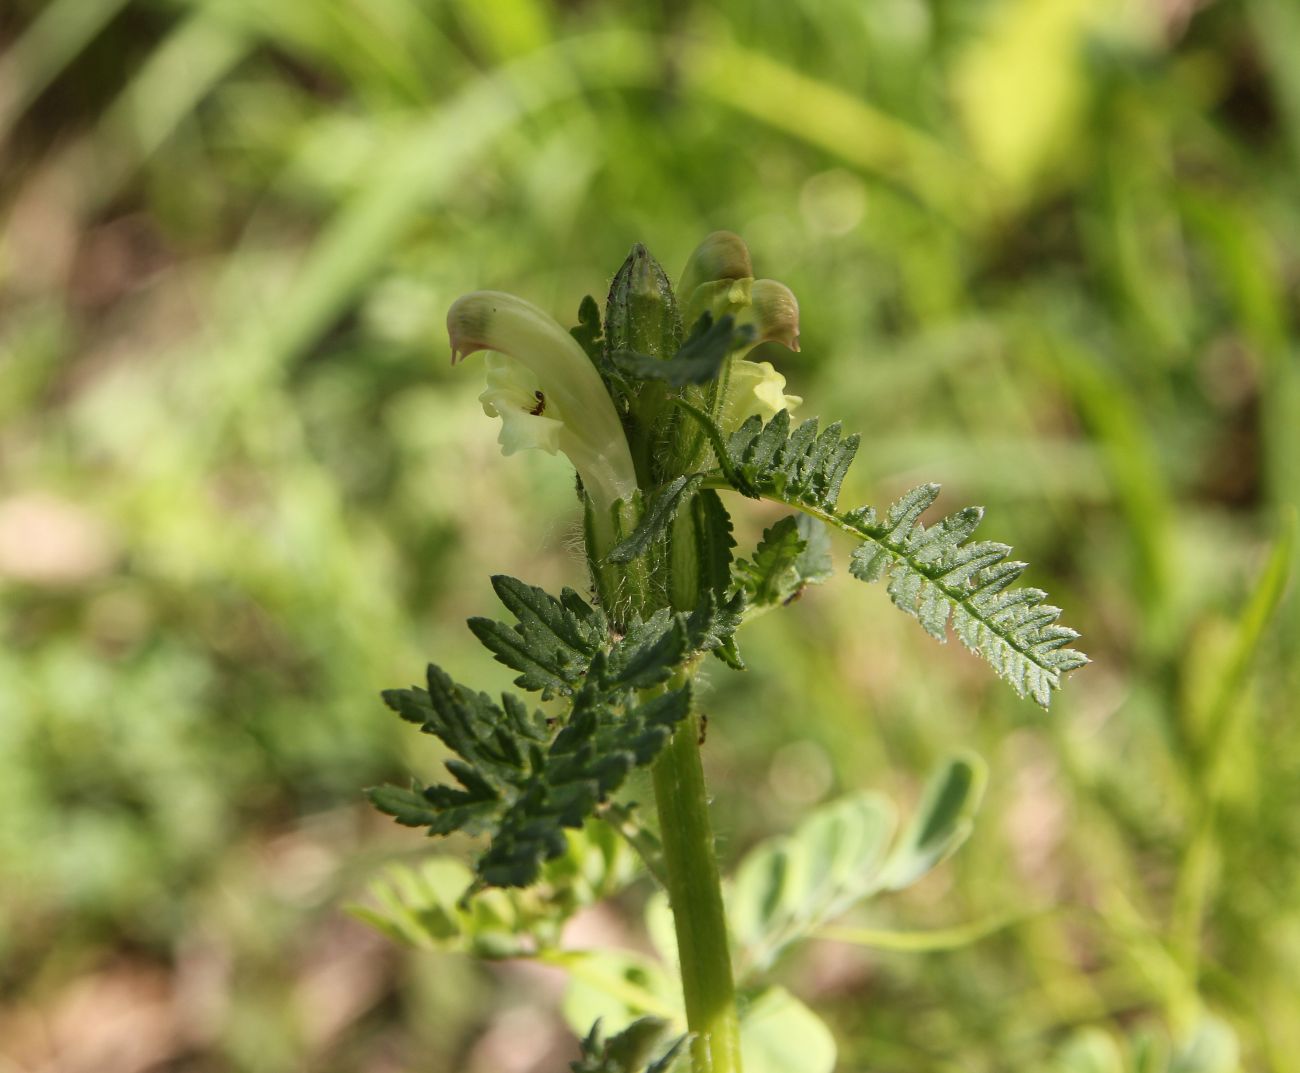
<point x="695" y="894"/>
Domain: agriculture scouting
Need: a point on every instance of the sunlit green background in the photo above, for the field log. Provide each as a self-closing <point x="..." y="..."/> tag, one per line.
<point x="1047" y="252"/>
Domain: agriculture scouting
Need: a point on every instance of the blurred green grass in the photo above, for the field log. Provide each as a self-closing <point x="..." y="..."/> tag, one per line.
<point x="1046" y="254"/>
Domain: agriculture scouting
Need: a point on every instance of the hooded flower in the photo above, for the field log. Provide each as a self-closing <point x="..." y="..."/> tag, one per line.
<point x="718" y="279"/>
<point x="774" y="312"/>
<point x="545" y="390"/>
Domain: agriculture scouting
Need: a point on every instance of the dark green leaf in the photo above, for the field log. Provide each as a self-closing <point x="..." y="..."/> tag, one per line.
<point x="523" y="779"/>
<point x="648" y="653"/>
<point x="714" y="541"/>
<point x="771" y="576"/>
<point x="794" y="464"/>
<point x="588" y="331"/>
<point x="551" y="643"/>
<point x="658" y="516"/>
<point x="631" y="1051"/>
<point x="408" y="806"/>
<point x="698" y="361"/>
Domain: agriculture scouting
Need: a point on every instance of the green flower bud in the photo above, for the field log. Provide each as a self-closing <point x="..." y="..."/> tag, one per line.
<point x="719" y="297"/>
<point x="641" y="313"/>
<point x="723" y="255"/>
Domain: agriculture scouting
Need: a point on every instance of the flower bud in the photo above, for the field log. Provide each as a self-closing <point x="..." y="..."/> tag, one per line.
<point x="723" y="255"/>
<point x="641" y="314"/>
<point x="719" y="297"/>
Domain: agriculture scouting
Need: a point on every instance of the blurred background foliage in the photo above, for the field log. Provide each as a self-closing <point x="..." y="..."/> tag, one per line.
<point x="1046" y="252"/>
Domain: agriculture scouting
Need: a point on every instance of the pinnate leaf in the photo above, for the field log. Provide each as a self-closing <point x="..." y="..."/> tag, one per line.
<point x="787" y="887"/>
<point x="552" y="642"/>
<point x="935" y="573"/>
<point x="522" y="778"/>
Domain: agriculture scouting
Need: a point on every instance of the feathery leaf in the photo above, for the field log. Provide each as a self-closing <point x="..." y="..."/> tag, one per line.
<point x="553" y="640"/>
<point x="522" y="778"/>
<point x="934" y="573"/>
<point x="937" y="577"/>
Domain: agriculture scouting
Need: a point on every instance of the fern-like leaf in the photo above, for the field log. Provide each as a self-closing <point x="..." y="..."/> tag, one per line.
<point x="793" y="553"/>
<point x="936" y="576"/>
<point x="798" y="464"/>
<point x="523" y="779"/>
<point x="630" y="1051"/>
<point x="552" y="642"/>
<point x="934" y="573"/>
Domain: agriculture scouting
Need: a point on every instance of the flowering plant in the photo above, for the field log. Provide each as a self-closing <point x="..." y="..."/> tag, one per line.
<point x="660" y="410"/>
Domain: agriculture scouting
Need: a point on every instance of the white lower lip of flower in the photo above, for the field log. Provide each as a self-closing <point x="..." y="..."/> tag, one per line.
<point x="589" y="430"/>
<point x="528" y="418"/>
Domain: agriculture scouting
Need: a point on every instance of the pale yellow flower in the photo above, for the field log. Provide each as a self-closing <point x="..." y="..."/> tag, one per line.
<point x="546" y="391"/>
<point x="755" y="387"/>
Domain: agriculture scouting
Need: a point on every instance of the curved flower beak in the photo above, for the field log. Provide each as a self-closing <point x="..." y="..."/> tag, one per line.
<point x="774" y="312"/>
<point x="546" y="391"/>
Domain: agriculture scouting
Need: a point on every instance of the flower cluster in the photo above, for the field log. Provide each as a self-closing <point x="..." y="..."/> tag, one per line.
<point x="550" y="395"/>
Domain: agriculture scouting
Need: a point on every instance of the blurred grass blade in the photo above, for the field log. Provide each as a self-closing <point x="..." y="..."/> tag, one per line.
<point x="1131" y="461"/>
<point x="922" y="941"/>
<point x="428" y="158"/>
<point x="1196" y="874"/>
<point x="1255" y="618"/>
<point x="826" y="116"/>
<point x="178" y="74"/>
<point x="50" y="42"/>
<point x="1278" y="33"/>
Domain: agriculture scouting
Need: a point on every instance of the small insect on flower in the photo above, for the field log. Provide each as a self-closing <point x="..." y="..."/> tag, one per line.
<point x="512" y="394"/>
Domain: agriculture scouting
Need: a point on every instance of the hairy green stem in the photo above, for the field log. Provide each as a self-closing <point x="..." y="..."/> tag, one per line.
<point x="695" y="893"/>
<point x="689" y="866"/>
